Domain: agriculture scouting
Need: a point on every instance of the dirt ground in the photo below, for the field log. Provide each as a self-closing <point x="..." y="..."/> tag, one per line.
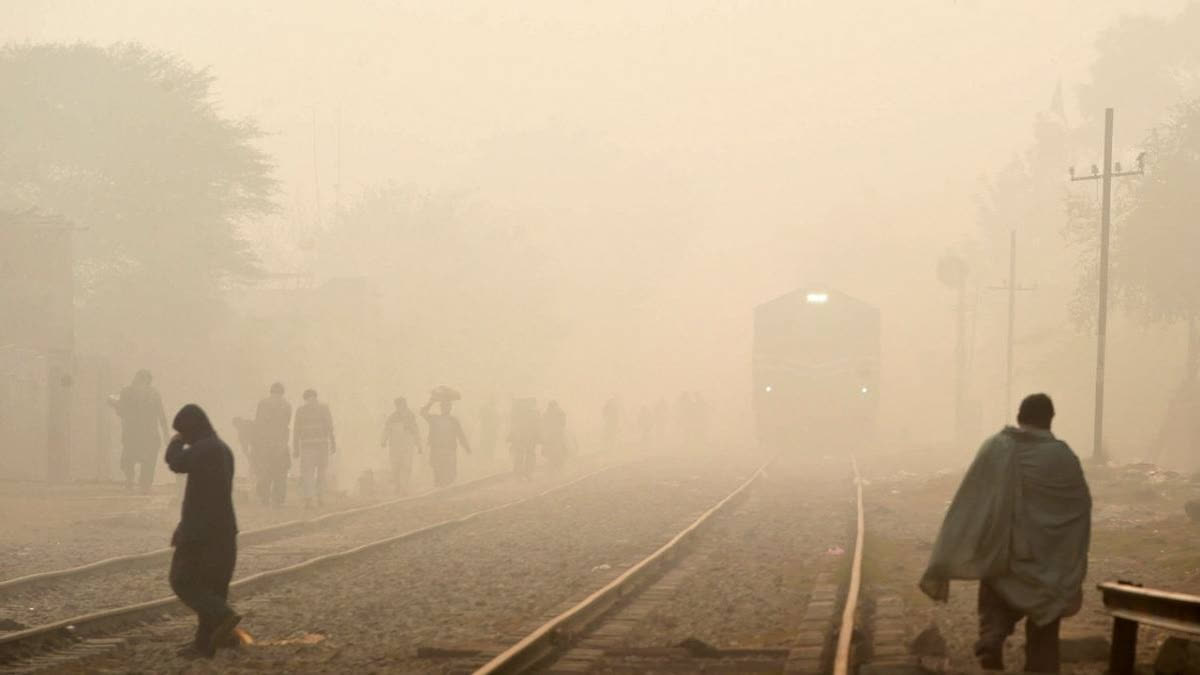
<point x="1139" y="533"/>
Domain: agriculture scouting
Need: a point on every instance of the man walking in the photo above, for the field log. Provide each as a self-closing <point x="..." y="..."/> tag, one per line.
<point x="143" y="429"/>
<point x="402" y="439"/>
<point x="611" y="414"/>
<point x="205" y="540"/>
<point x="271" y="462"/>
<point x="524" y="436"/>
<point x="489" y="429"/>
<point x="313" y="443"/>
<point x="554" y="436"/>
<point x="1020" y="523"/>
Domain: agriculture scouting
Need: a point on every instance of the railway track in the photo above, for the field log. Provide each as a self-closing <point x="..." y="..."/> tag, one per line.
<point x="476" y="580"/>
<point x="588" y="636"/>
<point x="246" y="537"/>
<point x="63" y="639"/>
<point x="482" y="579"/>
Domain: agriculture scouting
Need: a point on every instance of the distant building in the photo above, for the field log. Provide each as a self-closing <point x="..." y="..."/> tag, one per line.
<point x="37" y="346"/>
<point x="53" y="422"/>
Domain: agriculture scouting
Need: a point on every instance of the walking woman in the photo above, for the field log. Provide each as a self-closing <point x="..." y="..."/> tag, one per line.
<point x="445" y="435"/>
<point x="205" y="540"/>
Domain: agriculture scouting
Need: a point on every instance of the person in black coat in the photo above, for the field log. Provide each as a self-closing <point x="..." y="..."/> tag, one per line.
<point x="205" y="540"/>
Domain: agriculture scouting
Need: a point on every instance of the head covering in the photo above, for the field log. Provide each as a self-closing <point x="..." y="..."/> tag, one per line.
<point x="277" y="388"/>
<point x="192" y="423"/>
<point x="310" y="393"/>
<point x="142" y="377"/>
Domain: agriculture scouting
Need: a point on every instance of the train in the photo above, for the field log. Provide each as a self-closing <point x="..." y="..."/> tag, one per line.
<point x="816" y="361"/>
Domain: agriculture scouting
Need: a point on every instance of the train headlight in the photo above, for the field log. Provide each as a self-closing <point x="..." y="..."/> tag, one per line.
<point x="768" y="388"/>
<point x="863" y="389"/>
<point x="817" y="298"/>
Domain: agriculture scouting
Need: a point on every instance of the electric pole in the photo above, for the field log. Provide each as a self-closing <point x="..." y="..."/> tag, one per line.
<point x="1012" y="289"/>
<point x="952" y="271"/>
<point x="1105" y="178"/>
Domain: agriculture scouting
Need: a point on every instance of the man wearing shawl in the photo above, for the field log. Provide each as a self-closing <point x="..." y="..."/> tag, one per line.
<point x="1020" y="523"/>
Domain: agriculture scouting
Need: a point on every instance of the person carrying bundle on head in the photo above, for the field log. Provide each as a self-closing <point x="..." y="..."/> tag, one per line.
<point x="445" y="435"/>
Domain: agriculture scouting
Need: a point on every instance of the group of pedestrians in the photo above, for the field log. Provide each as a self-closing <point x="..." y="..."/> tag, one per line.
<point x="658" y="425"/>
<point x="276" y="436"/>
<point x="529" y="430"/>
<point x="1019" y="523"/>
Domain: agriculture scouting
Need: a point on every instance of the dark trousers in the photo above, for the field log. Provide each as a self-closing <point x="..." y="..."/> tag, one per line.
<point x="524" y="459"/>
<point x="997" y="621"/>
<point x="147" y="466"/>
<point x="271" y="469"/>
<point x="272" y="487"/>
<point x="200" y="575"/>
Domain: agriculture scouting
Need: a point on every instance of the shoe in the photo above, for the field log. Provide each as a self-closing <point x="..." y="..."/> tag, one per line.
<point x="991" y="661"/>
<point x="191" y="652"/>
<point x="222" y="635"/>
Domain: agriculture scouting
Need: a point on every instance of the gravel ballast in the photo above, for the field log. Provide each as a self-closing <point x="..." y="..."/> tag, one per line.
<point x="482" y="583"/>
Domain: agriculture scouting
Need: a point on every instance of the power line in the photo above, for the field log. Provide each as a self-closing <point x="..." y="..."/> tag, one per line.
<point x="1105" y="177"/>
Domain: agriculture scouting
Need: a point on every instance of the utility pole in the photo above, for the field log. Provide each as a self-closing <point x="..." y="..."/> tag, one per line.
<point x="1102" y="315"/>
<point x="1012" y="289"/>
<point x="960" y="366"/>
<point x="952" y="271"/>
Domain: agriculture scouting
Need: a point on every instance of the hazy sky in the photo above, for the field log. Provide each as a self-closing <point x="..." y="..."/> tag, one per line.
<point x="621" y="104"/>
<point x="777" y="142"/>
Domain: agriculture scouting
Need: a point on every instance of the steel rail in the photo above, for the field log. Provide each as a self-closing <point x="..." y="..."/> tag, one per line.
<point x="841" y="657"/>
<point x="95" y="622"/>
<point x="558" y="633"/>
<point x="249" y="536"/>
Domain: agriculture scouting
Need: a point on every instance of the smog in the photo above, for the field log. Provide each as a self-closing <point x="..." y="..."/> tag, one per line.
<point x="612" y="337"/>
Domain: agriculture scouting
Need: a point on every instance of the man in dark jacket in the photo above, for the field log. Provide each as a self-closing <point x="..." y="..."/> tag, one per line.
<point x="143" y="429"/>
<point x="271" y="422"/>
<point x="524" y="435"/>
<point x="205" y="540"/>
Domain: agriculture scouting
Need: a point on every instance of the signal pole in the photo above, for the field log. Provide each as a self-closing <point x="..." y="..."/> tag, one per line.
<point x="1012" y="289"/>
<point x="1102" y="315"/>
<point x="952" y="271"/>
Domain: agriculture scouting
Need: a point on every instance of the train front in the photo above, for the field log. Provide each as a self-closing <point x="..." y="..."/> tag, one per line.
<point x="816" y="371"/>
